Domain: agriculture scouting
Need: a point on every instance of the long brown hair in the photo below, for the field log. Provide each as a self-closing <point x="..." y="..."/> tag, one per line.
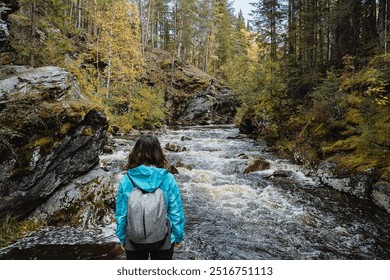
<point x="147" y="151"/>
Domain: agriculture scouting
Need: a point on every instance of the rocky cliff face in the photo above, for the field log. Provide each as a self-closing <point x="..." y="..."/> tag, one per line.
<point x="49" y="134"/>
<point x="6" y="7"/>
<point x="191" y="96"/>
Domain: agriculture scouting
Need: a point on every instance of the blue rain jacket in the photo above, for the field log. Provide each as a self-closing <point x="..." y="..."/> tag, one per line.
<point x="150" y="178"/>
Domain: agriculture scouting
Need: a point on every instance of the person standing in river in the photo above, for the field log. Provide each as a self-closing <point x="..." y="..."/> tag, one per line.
<point x="147" y="170"/>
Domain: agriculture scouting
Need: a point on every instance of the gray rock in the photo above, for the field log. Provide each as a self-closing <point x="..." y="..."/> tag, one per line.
<point x="185" y="138"/>
<point x="199" y="109"/>
<point x="283" y="173"/>
<point x="192" y="97"/>
<point x="7" y="7"/>
<point x="358" y="185"/>
<point x="87" y="201"/>
<point x="174" y="148"/>
<point x="257" y="165"/>
<point x="214" y="106"/>
<point x="381" y="194"/>
<point x="49" y="134"/>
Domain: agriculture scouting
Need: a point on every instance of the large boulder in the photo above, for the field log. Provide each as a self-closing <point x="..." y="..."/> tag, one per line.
<point x="49" y="134"/>
<point x="258" y="164"/>
<point x="87" y="201"/>
<point x="212" y="106"/>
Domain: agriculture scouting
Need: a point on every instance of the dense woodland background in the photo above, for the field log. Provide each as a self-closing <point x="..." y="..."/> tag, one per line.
<point x="311" y="76"/>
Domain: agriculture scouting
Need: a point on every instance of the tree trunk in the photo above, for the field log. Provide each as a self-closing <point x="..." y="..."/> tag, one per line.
<point x="328" y="36"/>
<point x="145" y="43"/>
<point x="108" y="81"/>
<point x="387" y="25"/>
<point x="382" y="24"/>
<point x="78" y="22"/>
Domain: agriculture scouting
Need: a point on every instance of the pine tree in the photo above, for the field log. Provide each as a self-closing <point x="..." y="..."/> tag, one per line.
<point x="223" y="16"/>
<point x="203" y="35"/>
<point x="240" y="36"/>
<point x="267" y="19"/>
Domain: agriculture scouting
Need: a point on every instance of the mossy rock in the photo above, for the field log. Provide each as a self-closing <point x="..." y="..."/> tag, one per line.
<point x="48" y="135"/>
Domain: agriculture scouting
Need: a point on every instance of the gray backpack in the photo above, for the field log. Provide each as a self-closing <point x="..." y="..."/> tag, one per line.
<point x="147" y="223"/>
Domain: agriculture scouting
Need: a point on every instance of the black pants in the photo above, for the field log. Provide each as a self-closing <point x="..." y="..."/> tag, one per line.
<point x="154" y="255"/>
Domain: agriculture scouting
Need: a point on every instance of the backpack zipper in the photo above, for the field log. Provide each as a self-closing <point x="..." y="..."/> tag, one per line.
<point x="144" y="223"/>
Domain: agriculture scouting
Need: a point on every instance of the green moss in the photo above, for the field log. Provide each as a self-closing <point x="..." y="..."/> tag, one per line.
<point x="321" y="131"/>
<point x="11" y="229"/>
<point x="354" y="117"/>
<point x="386" y="174"/>
<point x="45" y="143"/>
<point x="25" y="154"/>
<point x="66" y="127"/>
<point x="49" y="109"/>
<point x="341" y="146"/>
<point x="66" y="216"/>
<point x="76" y="111"/>
<point x="88" y="131"/>
<point x="353" y="162"/>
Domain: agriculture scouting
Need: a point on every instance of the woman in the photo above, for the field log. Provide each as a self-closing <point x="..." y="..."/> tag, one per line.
<point x="147" y="170"/>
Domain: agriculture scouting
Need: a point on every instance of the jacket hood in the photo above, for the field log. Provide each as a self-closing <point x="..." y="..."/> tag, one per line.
<point x="147" y="178"/>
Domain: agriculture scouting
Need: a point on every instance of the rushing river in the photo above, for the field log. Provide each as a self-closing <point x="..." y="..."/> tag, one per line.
<point x="231" y="215"/>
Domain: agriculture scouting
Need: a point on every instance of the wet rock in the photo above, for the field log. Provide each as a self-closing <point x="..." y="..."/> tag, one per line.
<point x="239" y="136"/>
<point x="49" y="134"/>
<point x="107" y="150"/>
<point x="257" y="165"/>
<point x="307" y="219"/>
<point x="281" y="174"/>
<point x="65" y="243"/>
<point x="184" y="165"/>
<point x="199" y="109"/>
<point x="174" y="148"/>
<point x="331" y="175"/>
<point x="185" y="138"/>
<point x="115" y="130"/>
<point x="242" y="156"/>
<point x="381" y="194"/>
<point x="362" y="185"/>
<point x="248" y="126"/>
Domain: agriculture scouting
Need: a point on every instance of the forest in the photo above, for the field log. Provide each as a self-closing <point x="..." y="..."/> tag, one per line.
<point x="311" y="76"/>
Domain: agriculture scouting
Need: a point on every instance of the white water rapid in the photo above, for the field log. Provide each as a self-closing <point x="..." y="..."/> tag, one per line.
<point x="277" y="213"/>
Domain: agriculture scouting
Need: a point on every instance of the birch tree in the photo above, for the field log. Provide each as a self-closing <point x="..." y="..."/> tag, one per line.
<point x="119" y="45"/>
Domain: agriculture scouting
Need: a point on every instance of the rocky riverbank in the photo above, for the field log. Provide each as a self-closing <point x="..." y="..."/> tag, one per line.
<point x="327" y="170"/>
<point x="364" y="185"/>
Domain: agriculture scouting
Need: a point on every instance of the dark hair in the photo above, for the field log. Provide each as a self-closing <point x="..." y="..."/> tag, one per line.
<point x="147" y="151"/>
